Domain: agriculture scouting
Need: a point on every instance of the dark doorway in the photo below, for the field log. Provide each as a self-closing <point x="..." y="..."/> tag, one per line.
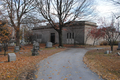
<point x="53" y="37"/>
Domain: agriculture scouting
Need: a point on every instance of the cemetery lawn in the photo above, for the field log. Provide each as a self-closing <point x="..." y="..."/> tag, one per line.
<point x="25" y="62"/>
<point x="105" y="65"/>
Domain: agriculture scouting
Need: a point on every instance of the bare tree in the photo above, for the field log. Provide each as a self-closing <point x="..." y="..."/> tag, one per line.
<point x="16" y="10"/>
<point x="111" y="32"/>
<point x="32" y="21"/>
<point x="62" y="11"/>
<point x="116" y="1"/>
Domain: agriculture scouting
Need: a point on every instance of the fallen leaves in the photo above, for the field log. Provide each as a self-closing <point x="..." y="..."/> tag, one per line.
<point x="24" y="62"/>
<point x="52" y="73"/>
<point x="65" y="79"/>
<point x="58" y="73"/>
<point x="36" y="76"/>
<point x="67" y="67"/>
<point x="48" y="62"/>
<point x="69" y="74"/>
<point x="50" y="77"/>
<point x="106" y="66"/>
<point x="80" y="77"/>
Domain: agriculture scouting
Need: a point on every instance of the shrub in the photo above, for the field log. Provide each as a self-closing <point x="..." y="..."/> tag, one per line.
<point x="116" y="42"/>
<point x="103" y="43"/>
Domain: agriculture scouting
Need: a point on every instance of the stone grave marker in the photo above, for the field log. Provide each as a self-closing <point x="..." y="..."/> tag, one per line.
<point x="118" y="46"/>
<point x="16" y="49"/>
<point x="35" y="48"/>
<point x="118" y="53"/>
<point x="107" y="52"/>
<point x="11" y="57"/>
<point x="48" y="44"/>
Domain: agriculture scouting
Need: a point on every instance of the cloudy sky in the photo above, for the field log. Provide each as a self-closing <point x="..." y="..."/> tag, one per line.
<point x="106" y="8"/>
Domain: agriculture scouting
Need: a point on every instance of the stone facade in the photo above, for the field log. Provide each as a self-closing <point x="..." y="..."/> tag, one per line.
<point x="74" y="32"/>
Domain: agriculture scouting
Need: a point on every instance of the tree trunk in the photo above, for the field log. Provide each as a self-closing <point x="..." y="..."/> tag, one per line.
<point x="4" y="52"/>
<point x="5" y="48"/>
<point x="60" y="38"/>
<point x="111" y="45"/>
<point x="94" y="43"/>
<point x="17" y="38"/>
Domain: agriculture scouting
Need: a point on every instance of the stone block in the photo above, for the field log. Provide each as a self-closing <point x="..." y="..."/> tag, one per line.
<point x="48" y="44"/>
<point x="16" y="49"/>
<point x="11" y="57"/>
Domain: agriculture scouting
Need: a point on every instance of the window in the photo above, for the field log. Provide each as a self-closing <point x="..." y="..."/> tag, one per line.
<point x="73" y="36"/>
<point x="70" y="35"/>
<point x="67" y="35"/>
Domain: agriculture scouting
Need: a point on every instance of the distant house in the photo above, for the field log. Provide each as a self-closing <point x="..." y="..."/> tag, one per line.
<point x="74" y="32"/>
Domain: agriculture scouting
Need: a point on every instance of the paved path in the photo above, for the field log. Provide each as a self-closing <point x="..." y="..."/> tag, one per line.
<point x="66" y="65"/>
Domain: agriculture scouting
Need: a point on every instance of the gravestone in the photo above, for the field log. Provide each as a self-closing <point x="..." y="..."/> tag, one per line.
<point x="56" y="47"/>
<point x="107" y="52"/>
<point x="11" y="57"/>
<point x="12" y="44"/>
<point x="35" y="48"/>
<point x="118" y="53"/>
<point x="118" y="46"/>
<point x="48" y="44"/>
<point x="16" y="49"/>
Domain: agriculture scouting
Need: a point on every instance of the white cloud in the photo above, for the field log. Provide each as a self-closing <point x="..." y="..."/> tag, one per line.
<point x="106" y="9"/>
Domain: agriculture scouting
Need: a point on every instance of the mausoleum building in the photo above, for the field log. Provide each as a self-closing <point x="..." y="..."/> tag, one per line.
<point x="74" y="32"/>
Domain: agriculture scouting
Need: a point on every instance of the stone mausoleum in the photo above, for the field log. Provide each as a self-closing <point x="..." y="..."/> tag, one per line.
<point x="74" y="32"/>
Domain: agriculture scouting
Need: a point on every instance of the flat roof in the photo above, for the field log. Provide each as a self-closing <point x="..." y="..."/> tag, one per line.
<point x="72" y="23"/>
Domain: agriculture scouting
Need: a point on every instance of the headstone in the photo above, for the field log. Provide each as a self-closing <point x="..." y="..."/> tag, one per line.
<point x="56" y="47"/>
<point x="35" y="48"/>
<point x="107" y="52"/>
<point x="118" y="53"/>
<point x="12" y="44"/>
<point x="48" y="44"/>
<point x="0" y="44"/>
<point x="11" y="57"/>
<point x="16" y="49"/>
<point x="118" y="46"/>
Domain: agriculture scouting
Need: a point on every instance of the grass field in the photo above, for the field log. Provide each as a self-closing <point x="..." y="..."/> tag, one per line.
<point x="105" y="65"/>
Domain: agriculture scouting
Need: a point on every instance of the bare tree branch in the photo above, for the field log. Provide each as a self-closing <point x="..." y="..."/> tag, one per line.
<point x="16" y="10"/>
<point x="62" y="11"/>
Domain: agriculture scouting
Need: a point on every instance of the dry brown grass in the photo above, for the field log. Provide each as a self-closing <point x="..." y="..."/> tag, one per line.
<point x="105" y="65"/>
<point x="25" y="62"/>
